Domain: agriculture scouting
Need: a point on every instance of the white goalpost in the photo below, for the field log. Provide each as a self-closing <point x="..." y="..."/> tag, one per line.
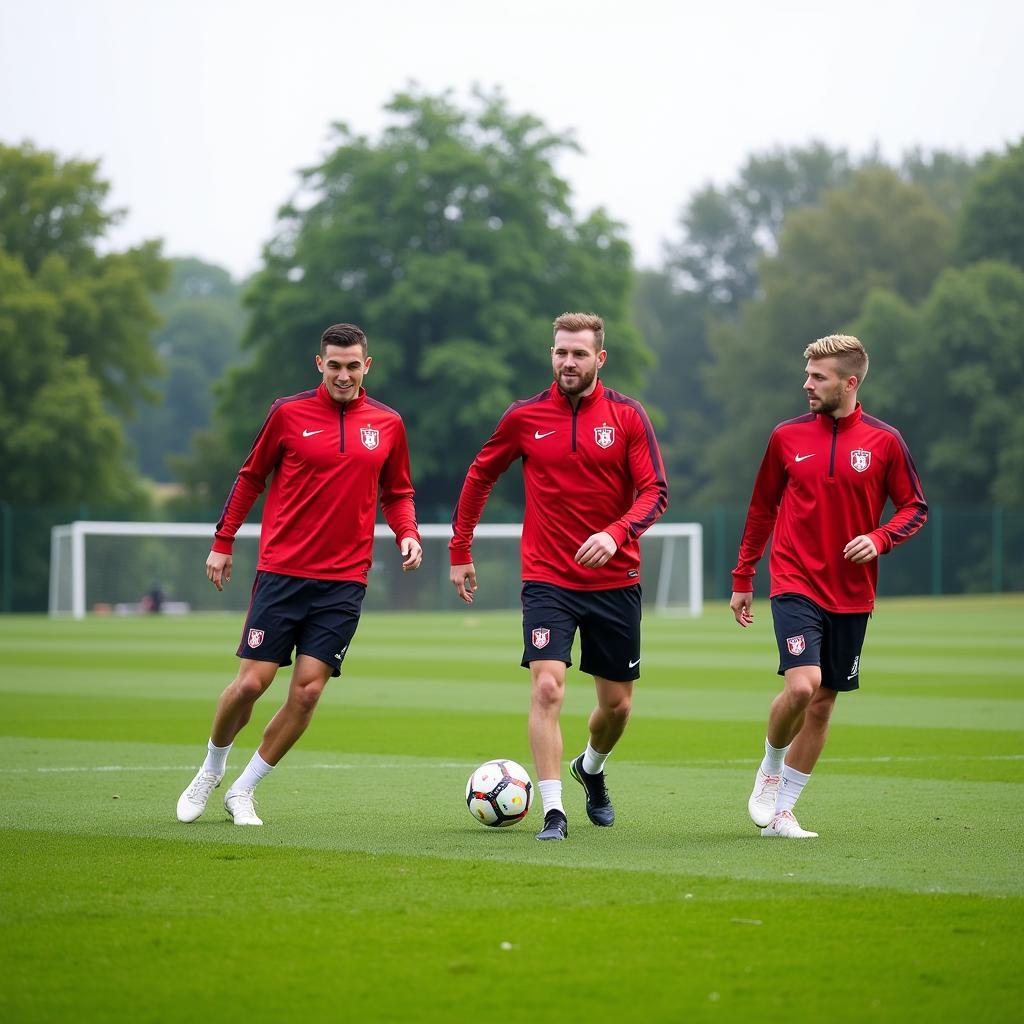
<point x="110" y="568"/>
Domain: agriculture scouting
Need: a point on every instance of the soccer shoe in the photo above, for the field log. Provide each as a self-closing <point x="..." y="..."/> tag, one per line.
<point x="192" y="802"/>
<point x="786" y="826"/>
<point x="555" y="826"/>
<point x="241" y="807"/>
<point x="761" y="804"/>
<point x="599" y="804"/>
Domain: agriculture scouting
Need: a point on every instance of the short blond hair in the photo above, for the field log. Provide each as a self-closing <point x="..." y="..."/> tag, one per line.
<point x="574" y="322"/>
<point x="848" y="352"/>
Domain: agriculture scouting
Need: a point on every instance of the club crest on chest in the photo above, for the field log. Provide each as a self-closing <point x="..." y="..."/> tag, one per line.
<point x="860" y="459"/>
<point x="370" y="437"/>
<point x="604" y="436"/>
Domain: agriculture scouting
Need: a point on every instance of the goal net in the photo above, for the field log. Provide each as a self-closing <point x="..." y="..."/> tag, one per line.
<point x="132" y="568"/>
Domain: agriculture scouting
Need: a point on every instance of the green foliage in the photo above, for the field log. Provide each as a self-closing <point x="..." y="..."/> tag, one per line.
<point x="57" y="441"/>
<point x="451" y="240"/>
<point x="993" y="218"/>
<point x="876" y="232"/>
<point x="200" y="338"/>
<point x="952" y="375"/>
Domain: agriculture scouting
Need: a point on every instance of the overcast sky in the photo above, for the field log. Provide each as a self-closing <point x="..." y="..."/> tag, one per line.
<point x="201" y="111"/>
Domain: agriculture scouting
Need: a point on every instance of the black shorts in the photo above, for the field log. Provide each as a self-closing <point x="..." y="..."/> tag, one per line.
<point x="809" y="635"/>
<point x="608" y="621"/>
<point x="315" y="617"/>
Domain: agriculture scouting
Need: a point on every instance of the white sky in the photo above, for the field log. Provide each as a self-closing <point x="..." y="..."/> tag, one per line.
<point x="201" y="111"/>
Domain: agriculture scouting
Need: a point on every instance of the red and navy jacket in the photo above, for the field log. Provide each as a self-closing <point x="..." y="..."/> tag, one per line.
<point x="329" y="460"/>
<point x="596" y="467"/>
<point x="822" y="482"/>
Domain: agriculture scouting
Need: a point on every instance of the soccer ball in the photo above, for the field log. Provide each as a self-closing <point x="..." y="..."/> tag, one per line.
<point x="499" y="793"/>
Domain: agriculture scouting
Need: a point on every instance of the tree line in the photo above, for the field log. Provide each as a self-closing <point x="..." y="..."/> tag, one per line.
<point x="452" y="239"/>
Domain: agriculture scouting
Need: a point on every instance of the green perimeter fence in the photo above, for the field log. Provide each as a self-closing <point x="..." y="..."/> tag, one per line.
<point x="962" y="549"/>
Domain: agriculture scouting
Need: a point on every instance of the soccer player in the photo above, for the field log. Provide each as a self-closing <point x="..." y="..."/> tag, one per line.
<point x="820" y="493"/>
<point x="330" y="450"/>
<point x="594" y="483"/>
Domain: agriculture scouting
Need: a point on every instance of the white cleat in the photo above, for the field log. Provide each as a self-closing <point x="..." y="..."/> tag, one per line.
<point x="786" y="826"/>
<point x="761" y="804"/>
<point x="192" y="802"/>
<point x="241" y="807"/>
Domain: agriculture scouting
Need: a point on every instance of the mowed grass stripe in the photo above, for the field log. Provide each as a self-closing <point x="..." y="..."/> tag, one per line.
<point x="364" y="807"/>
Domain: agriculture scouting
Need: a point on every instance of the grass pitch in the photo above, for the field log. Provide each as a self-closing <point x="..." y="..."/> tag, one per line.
<point x="371" y="895"/>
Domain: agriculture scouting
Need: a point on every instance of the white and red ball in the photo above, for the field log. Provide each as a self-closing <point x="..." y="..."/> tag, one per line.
<point x="499" y="793"/>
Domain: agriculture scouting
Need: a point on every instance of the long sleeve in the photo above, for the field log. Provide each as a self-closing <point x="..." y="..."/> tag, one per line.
<point x="649" y="479"/>
<point x="500" y="451"/>
<point x="761" y="516"/>
<point x="904" y="488"/>
<point x="396" y="493"/>
<point x="250" y="482"/>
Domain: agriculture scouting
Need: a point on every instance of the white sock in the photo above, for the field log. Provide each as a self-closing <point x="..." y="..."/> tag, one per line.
<point x="593" y="762"/>
<point x="255" y="770"/>
<point x="551" y="795"/>
<point x="216" y="758"/>
<point x="773" y="758"/>
<point x="792" y="786"/>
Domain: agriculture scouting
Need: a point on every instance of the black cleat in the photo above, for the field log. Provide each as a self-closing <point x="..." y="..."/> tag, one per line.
<point x="555" y="826"/>
<point x="599" y="804"/>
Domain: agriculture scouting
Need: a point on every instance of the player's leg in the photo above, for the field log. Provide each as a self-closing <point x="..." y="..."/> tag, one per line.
<point x="331" y="616"/>
<point x="266" y="643"/>
<point x="842" y="641"/>
<point x="610" y="651"/>
<point x="798" y="632"/>
<point x="548" y="631"/>
<point x="547" y="693"/>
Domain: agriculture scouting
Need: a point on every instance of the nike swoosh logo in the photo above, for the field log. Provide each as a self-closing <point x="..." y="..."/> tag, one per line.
<point x="310" y="433"/>
<point x="800" y="458"/>
<point x="633" y="664"/>
<point x="537" y="435"/>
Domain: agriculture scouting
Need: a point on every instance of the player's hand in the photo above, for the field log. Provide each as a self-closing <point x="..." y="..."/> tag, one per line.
<point x="218" y="569"/>
<point x="596" y="550"/>
<point x="412" y="554"/>
<point x="464" y="579"/>
<point x="860" y="550"/>
<point x="742" y="608"/>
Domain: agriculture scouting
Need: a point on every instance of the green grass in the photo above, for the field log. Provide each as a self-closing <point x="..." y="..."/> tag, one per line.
<point x="371" y="895"/>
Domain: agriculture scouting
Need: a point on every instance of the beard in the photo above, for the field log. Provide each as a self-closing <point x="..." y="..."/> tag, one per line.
<point x="827" y="404"/>
<point x="577" y="386"/>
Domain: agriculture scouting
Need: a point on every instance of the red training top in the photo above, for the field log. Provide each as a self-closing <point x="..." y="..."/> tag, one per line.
<point x="590" y="469"/>
<point x="822" y="482"/>
<point x="327" y="459"/>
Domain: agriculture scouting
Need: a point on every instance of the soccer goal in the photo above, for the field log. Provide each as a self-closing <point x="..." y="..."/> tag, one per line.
<point x="129" y="568"/>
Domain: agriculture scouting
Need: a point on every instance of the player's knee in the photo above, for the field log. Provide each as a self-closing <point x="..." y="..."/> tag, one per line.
<point x="801" y="687"/>
<point x="306" y="697"/>
<point x="619" y="710"/>
<point x="248" y="687"/>
<point x="548" y="691"/>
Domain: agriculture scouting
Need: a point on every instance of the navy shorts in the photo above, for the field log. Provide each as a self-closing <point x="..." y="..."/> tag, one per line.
<point x="608" y="621"/>
<point x="314" y="617"/>
<point x="809" y="635"/>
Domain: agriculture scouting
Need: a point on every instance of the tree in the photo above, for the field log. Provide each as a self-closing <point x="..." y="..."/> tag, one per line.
<point x="51" y="219"/>
<point x="876" y="232"/>
<point x="199" y="339"/>
<point x="954" y="380"/>
<point x="452" y="241"/>
<point x="726" y="232"/>
<point x="992" y="227"/>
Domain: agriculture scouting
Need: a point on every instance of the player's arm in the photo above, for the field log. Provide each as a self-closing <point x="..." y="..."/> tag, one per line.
<point x="904" y="489"/>
<point x="761" y="515"/>
<point x="396" y="501"/>
<point x="650" y="486"/>
<point x="263" y="458"/>
<point x="501" y="449"/>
